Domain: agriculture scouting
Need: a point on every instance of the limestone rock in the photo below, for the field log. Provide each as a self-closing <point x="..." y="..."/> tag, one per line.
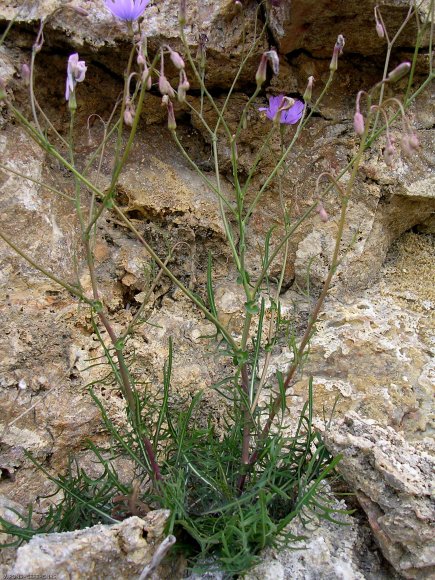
<point x="331" y="552"/>
<point x="103" y="551"/>
<point x="394" y="483"/>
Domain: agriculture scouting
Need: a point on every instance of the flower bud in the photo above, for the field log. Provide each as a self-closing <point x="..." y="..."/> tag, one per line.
<point x="146" y="77"/>
<point x="183" y="87"/>
<point x="25" y="73"/>
<point x="414" y="142"/>
<point x="323" y="214"/>
<point x="380" y="30"/>
<point x="338" y="50"/>
<point x="389" y="152"/>
<point x="399" y="72"/>
<point x="165" y="86"/>
<point x="177" y="61"/>
<point x="309" y="90"/>
<point x="165" y="100"/>
<point x="129" y="114"/>
<point x="172" y="125"/>
<point x="358" y="123"/>
<point x="261" y="73"/>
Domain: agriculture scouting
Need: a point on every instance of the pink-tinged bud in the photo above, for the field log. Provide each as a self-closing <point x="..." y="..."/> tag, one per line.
<point x="273" y="57"/>
<point x="380" y="30"/>
<point x="379" y="26"/>
<point x="177" y="61"/>
<point x="129" y="114"/>
<point x="25" y="73"/>
<point x="146" y="77"/>
<point x="323" y="214"/>
<point x="261" y="73"/>
<point x="399" y="72"/>
<point x="358" y="123"/>
<point x="165" y="101"/>
<point x="183" y="87"/>
<point x="389" y="152"/>
<point x="165" y="87"/>
<point x="414" y="142"/>
<point x="409" y="144"/>
<point x="338" y="50"/>
<point x="141" y="59"/>
<point x="172" y="125"/>
<point x="309" y="90"/>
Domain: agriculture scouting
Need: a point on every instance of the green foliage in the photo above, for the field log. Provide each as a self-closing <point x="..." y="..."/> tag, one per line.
<point x="216" y="525"/>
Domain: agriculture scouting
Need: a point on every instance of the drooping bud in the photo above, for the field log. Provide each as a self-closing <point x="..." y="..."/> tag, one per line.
<point x="323" y="214"/>
<point x="129" y="114"/>
<point x="238" y="5"/>
<point x="165" y="87"/>
<point x="261" y="73"/>
<point x="358" y="123"/>
<point x="177" y="61"/>
<point x="309" y="90"/>
<point x="414" y="142"/>
<point x="172" y="124"/>
<point x="25" y="73"/>
<point x="389" y="152"/>
<point x="183" y="86"/>
<point x="165" y="100"/>
<point x="338" y="50"/>
<point x="380" y="30"/>
<point x="146" y="77"/>
<point x="409" y="144"/>
<point x="399" y="72"/>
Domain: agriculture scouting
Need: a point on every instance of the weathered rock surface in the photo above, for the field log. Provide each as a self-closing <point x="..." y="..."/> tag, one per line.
<point x="332" y="552"/>
<point x="394" y="482"/>
<point x="117" y="551"/>
<point x="374" y="347"/>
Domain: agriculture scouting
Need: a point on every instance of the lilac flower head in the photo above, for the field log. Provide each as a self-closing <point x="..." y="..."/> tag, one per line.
<point x="75" y="74"/>
<point x="289" y="116"/>
<point x="127" y="9"/>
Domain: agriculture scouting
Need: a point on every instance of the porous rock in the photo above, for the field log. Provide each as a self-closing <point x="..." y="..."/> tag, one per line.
<point x="394" y="483"/>
<point x="104" y="551"/>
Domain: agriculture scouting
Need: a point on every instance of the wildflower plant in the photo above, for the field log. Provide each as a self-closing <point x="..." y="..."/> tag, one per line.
<point x="229" y="494"/>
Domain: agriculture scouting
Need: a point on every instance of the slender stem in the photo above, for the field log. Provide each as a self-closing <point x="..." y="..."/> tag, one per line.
<point x="75" y="291"/>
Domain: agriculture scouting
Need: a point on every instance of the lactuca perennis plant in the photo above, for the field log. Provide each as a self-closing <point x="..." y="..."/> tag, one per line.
<point x="230" y="494"/>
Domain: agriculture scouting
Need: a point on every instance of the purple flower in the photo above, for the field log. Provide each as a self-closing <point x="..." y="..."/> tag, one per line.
<point x="75" y="74"/>
<point x="127" y="9"/>
<point x="288" y="117"/>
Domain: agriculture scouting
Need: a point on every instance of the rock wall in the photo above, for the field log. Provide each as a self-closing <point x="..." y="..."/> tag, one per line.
<point x="374" y="346"/>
